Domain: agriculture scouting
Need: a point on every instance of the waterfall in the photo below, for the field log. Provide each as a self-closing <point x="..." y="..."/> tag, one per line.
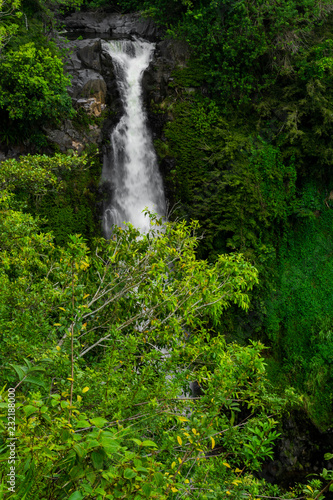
<point x="133" y="170"/>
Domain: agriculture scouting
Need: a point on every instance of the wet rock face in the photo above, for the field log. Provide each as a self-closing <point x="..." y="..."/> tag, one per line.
<point x="92" y="76"/>
<point x="87" y="53"/>
<point x="298" y="452"/>
<point x="93" y="90"/>
<point x="94" y="86"/>
<point x="114" y="25"/>
<point x="67" y="137"/>
<point x="301" y="448"/>
<point x="169" y="54"/>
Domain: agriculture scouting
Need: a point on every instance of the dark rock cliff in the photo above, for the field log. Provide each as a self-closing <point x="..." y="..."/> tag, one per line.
<point x="94" y="90"/>
<point x="114" y="25"/>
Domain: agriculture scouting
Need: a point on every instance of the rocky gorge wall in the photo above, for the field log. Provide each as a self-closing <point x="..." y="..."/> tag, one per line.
<point x="302" y="446"/>
<point x="94" y="90"/>
<point x="95" y="96"/>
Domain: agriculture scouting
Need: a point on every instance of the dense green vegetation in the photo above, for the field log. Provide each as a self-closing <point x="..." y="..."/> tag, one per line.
<point x="253" y="150"/>
<point x="33" y="89"/>
<point x="101" y="339"/>
<point x="128" y="322"/>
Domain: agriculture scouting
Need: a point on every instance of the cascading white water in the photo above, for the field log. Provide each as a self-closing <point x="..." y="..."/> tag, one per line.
<point x="134" y="172"/>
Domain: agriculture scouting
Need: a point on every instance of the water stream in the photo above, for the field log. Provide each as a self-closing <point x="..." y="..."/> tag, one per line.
<point x="133" y="173"/>
<point x="133" y="170"/>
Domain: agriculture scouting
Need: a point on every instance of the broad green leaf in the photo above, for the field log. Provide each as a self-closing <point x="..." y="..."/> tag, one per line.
<point x="149" y="443"/>
<point x="20" y="370"/>
<point x="146" y="488"/>
<point x="37" y="369"/>
<point x="139" y="468"/>
<point x="79" y="450"/>
<point x="82" y="424"/>
<point x="98" y="422"/>
<point x="35" y="381"/>
<point x="76" y="496"/>
<point x="48" y="453"/>
<point x="110" y="445"/>
<point x="47" y="417"/>
<point x="77" y="472"/>
<point x="91" y="476"/>
<point x="129" y="473"/>
<point x="137" y="441"/>
<point x="159" y="478"/>
<point x="97" y="458"/>
<point x="92" y="443"/>
<point x="27" y="464"/>
<point x="29" y="410"/>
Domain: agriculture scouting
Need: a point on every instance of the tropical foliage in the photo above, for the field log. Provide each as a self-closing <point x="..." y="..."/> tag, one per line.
<point x="250" y="153"/>
<point x="129" y="323"/>
<point x="128" y="378"/>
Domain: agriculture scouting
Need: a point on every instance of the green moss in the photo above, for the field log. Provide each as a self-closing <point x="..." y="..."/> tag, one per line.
<point x="299" y="312"/>
<point x="74" y="210"/>
<point x="192" y="75"/>
<point x="82" y="119"/>
<point x="258" y="178"/>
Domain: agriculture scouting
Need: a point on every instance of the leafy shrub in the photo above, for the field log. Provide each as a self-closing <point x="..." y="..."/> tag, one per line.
<point x="33" y="86"/>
